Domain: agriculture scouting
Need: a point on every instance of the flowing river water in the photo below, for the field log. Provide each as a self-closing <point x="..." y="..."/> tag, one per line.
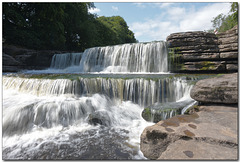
<point x="88" y="105"/>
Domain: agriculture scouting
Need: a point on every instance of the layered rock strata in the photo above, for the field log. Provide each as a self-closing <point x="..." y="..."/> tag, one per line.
<point x="200" y="51"/>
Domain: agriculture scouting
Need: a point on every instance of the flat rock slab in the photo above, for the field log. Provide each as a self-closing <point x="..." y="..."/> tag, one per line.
<point x="213" y="130"/>
<point x="192" y="150"/>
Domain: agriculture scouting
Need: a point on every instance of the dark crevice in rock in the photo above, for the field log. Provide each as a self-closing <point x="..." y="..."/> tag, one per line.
<point x="210" y="141"/>
<point x="156" y="135"/>
<point x="217" y="142"/>
<point x="185" y="138"/>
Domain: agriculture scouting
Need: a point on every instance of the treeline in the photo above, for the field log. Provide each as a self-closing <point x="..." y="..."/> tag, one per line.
<point x="61" y="26"/>
<point x="225" y="22"/>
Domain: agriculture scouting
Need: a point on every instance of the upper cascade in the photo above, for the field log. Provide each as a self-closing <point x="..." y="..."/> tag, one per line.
<point x="136" y="57"/>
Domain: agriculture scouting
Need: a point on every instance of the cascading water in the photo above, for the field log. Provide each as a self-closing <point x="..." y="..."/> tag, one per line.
<point x="138" y="57"/>
<point x="65" y="60"/>
<point x="141" y="91"/>
<point x="90" y="115"/>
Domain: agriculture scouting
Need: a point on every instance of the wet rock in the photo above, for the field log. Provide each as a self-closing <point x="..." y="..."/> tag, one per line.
<point x="95" y="144"/>
<point x="211" y="133"/>
<point x="223" y="89"/>
<point x="161" y="111"/>
<point x="99" y="117"/>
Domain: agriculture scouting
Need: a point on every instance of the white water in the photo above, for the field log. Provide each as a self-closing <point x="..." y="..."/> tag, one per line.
<point x="62" y="61"/>
<point x="137" y="57"/>
<point x="138" y="90"/>
<point x="51" y="118"/>
<point x="28" y="120"/>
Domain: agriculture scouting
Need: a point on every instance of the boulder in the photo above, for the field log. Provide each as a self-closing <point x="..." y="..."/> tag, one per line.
<point x="222" y="89"/>
<point x="210" y="134"/>
<point x="99" y="118"/>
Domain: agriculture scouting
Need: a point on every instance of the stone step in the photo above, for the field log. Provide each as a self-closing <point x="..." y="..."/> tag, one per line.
<point x="210" y="134"/>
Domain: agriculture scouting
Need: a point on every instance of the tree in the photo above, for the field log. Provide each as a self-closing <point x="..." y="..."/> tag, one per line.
<point x="64" y="26"/>
<point x="226" y="22"/>
<point x="119" y="26"/>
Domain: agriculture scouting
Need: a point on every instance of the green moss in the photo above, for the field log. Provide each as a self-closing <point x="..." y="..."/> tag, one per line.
<point x="192" y="109"/>
<point x="148" y="111"/>
<point x="207" y="65"/>
<point x="175" y="58"/>
<point x="147" y="114"/>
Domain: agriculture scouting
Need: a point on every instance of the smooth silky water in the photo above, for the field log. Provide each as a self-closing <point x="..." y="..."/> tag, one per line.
<point x="88" y="105"/>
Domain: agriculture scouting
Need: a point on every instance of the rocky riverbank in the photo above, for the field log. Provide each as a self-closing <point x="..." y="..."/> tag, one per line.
<point x="209" y="133"/>
<point x="19" y="58"/>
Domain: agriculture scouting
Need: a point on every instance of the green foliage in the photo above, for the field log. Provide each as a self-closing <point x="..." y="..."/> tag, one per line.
<point x="118" y="31"/>
<point x="225" y="22"/>
<point x="61" y="26"/>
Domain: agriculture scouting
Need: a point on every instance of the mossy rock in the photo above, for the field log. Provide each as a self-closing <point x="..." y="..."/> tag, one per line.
<point x="162" y="111"/>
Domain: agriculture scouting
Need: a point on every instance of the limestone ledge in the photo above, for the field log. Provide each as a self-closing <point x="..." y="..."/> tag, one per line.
<point x="192" y="48"/>
<point x="210" y="134"/>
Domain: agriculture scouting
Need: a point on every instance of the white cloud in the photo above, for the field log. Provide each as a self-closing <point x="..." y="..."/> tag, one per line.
<point x="153" y="5"/>
<point x="201" y="19"/>
<point x="178" y="19"/>
<point x="152" y="29"/>
<point x="162" y="5"/>
<point x="176" y="11"/>
<point x="94" y="10"/>
<point x="114" y="8"/>
<point x="140" y="5"/>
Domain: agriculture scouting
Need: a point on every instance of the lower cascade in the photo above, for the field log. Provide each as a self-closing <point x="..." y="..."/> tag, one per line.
<point x="89" y="115"/>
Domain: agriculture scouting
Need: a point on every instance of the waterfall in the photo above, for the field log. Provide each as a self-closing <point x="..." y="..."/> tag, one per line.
<point x="136" y="57"/>
<point x="87" y="110"/>
<point x="62" y="61"/>
<point x="138" y="90"/>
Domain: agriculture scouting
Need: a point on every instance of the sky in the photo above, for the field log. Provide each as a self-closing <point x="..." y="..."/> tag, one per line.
<point x="155" y="21"/>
